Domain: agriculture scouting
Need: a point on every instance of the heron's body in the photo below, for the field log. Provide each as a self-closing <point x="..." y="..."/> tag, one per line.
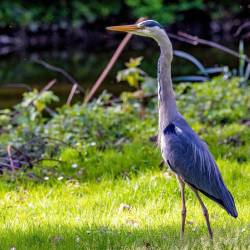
<point x="190" y="158"/>
<point x="182" y="149"/>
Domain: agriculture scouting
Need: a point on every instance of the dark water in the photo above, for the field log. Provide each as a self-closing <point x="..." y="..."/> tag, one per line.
<point x="85" y="66"/>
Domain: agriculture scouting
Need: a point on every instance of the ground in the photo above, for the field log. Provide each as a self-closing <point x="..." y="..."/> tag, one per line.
<point x="136" y="208"/>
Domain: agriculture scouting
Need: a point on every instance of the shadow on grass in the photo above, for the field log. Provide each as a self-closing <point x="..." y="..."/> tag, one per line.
<point x="133" y="159"/>
<point x="63" y="237"/>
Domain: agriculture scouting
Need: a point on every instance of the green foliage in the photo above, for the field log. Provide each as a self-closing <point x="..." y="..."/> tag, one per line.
<point x="92" y="10"/>
<point x="5" y="118"/>
<point x="228" y="142"/>
<point x="138" y="79"/>
<point x="27" y="118"/>
<point x="133" y="75"/>
<point x="163" y="11"/>
<point x="76" y="12"/>
<point x="24" y="13"/>
<point x="36" y="102"/>
<point x="218" y="101"/>
<point x="83" y="126"/>
<point x="88" y="125"/>
<point x="215" y="110"/>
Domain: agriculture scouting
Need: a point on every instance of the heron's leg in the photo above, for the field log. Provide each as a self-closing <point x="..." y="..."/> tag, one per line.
<point x="205" y="212"/>
<point x="184" y="210"/>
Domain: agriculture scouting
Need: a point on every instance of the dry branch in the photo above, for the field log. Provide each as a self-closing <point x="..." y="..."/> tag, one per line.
<point x="59" y="70"/>
<point x="109" y="66"/>
<point x="72" y="93"/>
<point x="10" y="157"/>
<point x="241" y="27"/>
<point x="17" y="85"/>
<point x="194" y="40"/>
<point x="48" y="86"/>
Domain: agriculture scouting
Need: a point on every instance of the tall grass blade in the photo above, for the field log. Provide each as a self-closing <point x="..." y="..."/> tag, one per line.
<point x="247" y="72"/>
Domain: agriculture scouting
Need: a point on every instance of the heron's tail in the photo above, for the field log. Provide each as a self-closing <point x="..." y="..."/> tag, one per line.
<point x="228" y="203"/>
<point x="225" y="200"/>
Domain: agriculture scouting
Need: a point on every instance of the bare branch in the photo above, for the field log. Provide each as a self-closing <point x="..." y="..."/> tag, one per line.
<point x="182" y="39"/>
<point x="48" y="86"/>
<point x="72" y="93"/>
<point x="196" y="40"/>
<point x="241" y="27"/>
<point x="110" y="64"/>
<point x="10" y="157"/>
<point x="16" y="85"/>
<point x="58" y="70"/>
<point x="23" y="154"/>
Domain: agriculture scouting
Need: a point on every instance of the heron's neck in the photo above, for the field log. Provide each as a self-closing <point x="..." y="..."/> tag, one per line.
<point x="166" y="98"/>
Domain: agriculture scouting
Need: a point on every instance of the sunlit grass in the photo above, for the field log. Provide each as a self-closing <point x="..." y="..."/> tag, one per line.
<point x="122" y="201"/>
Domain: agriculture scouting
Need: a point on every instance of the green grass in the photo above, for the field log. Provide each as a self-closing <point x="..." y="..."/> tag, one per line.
<point x="88" y="213"/>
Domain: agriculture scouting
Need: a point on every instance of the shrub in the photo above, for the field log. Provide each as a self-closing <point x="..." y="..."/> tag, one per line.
<point x="219" y="101"/>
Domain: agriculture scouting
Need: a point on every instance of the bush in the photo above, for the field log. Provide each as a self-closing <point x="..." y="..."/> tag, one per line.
<point x="219" y="101"/>
<point x="215" y="109"/>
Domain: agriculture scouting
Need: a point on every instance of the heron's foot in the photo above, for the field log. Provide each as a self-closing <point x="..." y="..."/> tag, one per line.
<point x="210" y="235"/>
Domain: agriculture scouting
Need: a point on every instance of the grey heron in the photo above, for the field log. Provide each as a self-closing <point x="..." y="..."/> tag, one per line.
<point x="181" y="148"/>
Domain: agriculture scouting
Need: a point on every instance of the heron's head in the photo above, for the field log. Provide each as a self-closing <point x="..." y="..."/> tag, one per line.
<point x="148" y="28"/>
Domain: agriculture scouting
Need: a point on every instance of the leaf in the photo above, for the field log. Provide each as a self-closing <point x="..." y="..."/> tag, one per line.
<point x="134" y="62"/>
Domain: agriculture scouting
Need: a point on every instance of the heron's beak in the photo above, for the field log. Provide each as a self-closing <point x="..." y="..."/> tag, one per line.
<point x="124" y="28"/>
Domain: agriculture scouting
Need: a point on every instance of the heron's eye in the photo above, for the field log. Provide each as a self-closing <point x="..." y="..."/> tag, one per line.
<point x="141" y="26"/>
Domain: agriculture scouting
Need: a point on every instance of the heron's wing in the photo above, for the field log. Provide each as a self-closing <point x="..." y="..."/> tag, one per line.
<point x="190" y="158"/>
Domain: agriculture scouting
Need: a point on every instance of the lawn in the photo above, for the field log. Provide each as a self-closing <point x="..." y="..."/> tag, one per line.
<point x="137" y="208"/>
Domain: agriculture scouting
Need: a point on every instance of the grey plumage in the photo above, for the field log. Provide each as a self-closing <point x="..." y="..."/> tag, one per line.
<point x="182" y="149"/>
<point x="190" y="158"/>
